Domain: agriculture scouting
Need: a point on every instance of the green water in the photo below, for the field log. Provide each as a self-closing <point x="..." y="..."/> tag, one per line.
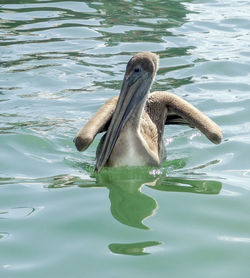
<point x="59" y="61"/>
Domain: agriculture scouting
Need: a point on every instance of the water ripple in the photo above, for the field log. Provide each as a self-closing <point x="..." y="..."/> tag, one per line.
<point x="3" y="235"/>
<point x="16" y="213"/>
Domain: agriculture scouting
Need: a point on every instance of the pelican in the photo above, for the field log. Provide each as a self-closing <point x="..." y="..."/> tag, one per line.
<point x="134" y="122"/>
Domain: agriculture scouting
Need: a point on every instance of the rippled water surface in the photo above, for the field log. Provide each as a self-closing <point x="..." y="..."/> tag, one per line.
<point x="59" y="61"/>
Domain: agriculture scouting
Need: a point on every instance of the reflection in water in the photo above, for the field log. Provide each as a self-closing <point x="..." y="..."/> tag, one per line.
<point x="188" y="185"/>
<point x="131" y="207"/>
<point x="135" y="249"/>
<point x="151" y="21"/>
<point x="128" y="204"/>
<point x="61" y="181"/>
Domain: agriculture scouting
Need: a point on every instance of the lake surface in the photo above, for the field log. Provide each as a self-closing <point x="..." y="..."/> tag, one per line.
<point x="59" y="61"/>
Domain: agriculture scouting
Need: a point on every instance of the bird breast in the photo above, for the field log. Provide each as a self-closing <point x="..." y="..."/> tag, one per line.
<point x="134" y="148"/>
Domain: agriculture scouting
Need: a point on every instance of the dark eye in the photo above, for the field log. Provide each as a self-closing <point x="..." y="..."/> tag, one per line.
<point x="137" y="69"/>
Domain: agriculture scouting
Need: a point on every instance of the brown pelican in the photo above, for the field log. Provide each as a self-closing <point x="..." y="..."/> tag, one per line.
<point x="135" y="120"/>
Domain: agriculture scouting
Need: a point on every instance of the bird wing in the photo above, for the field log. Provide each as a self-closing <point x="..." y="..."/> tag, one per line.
<point x="180" y="111"/>
<point x="97" y="124"/>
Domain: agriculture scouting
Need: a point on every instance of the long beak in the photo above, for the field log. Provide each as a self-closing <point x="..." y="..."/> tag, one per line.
<point x="134" y="90"/>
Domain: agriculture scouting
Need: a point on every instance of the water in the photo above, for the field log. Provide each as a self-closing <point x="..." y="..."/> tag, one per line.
<point x="60" y="60"/>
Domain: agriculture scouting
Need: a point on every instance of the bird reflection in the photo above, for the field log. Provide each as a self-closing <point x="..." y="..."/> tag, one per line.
<point x="129" y="204"/>
<point x="188" y="185"/>
<point x="134" y="249"/>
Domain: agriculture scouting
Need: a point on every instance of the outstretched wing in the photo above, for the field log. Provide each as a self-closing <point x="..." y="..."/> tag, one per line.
<point x="180" y="111"/>
<point x="98" y="123"/>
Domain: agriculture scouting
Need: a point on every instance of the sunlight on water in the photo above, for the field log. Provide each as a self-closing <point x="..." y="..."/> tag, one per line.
<point x="59" y="61"/>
